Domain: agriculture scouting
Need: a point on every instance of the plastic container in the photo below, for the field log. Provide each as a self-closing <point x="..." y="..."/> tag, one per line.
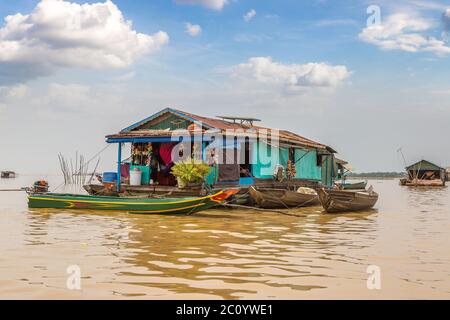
<point x="110" y="177"/>
<point x="145" y="179"/>
<point x="135" y="177"/>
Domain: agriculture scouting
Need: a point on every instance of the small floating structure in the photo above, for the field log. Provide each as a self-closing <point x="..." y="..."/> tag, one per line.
<point x="8" y="175"/>
<point x="424" y="174"/>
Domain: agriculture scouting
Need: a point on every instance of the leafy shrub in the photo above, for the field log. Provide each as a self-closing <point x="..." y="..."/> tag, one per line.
<point x="190" y="171"/>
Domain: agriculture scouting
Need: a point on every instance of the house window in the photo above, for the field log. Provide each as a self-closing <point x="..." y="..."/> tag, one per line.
<point x="319" y="160"/>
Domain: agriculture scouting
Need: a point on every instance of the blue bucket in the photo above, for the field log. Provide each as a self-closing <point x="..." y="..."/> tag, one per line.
<point x="110" y="177"/>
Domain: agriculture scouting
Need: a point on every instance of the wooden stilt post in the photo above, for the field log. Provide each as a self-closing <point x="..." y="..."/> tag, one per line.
<point x="119" y="163"/>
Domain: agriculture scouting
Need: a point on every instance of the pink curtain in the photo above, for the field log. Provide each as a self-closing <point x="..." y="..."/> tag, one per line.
<point x="165" y="152"/>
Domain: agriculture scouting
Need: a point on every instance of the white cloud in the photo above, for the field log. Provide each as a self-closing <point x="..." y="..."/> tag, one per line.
<point x="430" y="5"/>
<point x="291" y="76"/>
<point x="58" y="34"/>
<point x="402" y="31"/>
<point x="210" y="4"/>
<point x="11" y="94"/>
<point x="193" y="29"/>
<point x="14" y="92"/>
<point x="249" y="15"/>
<point x="78" y="100"/>
<point x="125" y="77"/>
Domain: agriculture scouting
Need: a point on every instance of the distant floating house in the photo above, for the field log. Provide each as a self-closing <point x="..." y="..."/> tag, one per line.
<point x="424" y="173"/>
<point x="240" y="152"/>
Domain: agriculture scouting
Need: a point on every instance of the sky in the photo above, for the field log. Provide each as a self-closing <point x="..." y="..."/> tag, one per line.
<point x="365" y="77"/>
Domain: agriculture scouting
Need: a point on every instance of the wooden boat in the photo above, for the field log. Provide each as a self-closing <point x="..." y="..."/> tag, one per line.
<point x="8" y="175"/>
<point x="422" y="183"/>
<point x="344" y="201"/>
<point x="187" y="205"/>
<point x="352" y="186"/>
<point x="156" y="190"/>
<point x="282" y="198"/>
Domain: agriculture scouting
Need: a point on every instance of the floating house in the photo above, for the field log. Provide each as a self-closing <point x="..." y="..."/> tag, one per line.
<point x="7" y="174"/>
<point x="240" y="152"/>
<point x="424" y="173"/>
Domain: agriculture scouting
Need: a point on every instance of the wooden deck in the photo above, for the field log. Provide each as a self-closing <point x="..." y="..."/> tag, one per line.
<point x="159" y="190"/>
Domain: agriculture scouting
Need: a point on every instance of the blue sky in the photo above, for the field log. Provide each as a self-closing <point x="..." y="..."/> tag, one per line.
<point x="313" y="67"/>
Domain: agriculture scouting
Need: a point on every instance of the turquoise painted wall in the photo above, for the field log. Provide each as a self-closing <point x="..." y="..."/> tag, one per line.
<point x="284" y="157"/>
<point x="328" y="171"/>
<point x="307" y="167"/>
<point x="263" y="161"/>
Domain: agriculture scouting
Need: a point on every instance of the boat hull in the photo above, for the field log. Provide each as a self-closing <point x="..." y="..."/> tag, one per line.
<point x="422" y="183"/>
<point x="352" y="186"/>
<point x="281" y="198"/>
<point x="145" y="206"/>
<point x="334" y="201"/>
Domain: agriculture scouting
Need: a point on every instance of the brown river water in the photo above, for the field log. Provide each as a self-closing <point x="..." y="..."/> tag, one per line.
<point x="229" y="254"/>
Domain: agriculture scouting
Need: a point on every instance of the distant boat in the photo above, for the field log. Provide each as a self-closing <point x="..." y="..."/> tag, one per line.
<point x="422" y="183"/>
<point x="187" y="205"/>
<point x="352" y="186"/>
<point x="269" y="198"/>
<point x="344" y="201"/>
<point x="8" y="174"/>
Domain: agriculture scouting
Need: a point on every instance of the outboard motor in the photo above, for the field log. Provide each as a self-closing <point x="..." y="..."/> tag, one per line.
<point x="40" y="187"/>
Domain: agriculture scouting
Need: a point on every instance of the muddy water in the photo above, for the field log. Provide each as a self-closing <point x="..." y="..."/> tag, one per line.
<point x="223" y="254"/>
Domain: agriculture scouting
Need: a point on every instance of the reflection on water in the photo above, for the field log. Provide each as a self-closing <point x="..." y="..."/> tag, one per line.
<point x="230" y="254"/>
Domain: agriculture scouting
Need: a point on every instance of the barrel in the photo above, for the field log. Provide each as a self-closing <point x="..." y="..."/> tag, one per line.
<point x="135" y="177"/>
<point x="109" y="177"/>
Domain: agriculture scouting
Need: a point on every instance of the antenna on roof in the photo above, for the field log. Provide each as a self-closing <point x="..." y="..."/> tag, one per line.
<point x="400" y="150"/>
<point x="242" y="121"/>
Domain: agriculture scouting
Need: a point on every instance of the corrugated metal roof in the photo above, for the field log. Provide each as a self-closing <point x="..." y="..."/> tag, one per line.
<point x="239" y="129"/>
<point x="423" y="165"/>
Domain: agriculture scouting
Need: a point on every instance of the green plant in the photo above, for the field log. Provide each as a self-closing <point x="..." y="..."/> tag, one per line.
<point x="190" y="171"/>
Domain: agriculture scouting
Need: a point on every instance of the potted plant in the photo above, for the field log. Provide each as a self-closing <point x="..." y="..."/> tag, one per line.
<point x="190" y="173"/>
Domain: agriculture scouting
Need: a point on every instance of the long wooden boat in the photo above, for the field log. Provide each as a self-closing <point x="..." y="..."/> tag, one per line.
<point x="352" y="186"/>
<point x="343" y="201"/>
<point x="187" y="205"/>
<point x="282" y="198"/>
